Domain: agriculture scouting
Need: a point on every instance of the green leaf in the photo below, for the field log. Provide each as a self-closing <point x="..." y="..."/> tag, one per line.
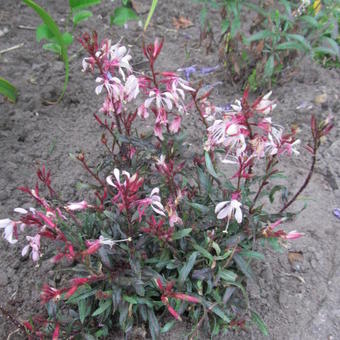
<point x="227" y="275"/>
<point x="301" y="39"/>
<point x="224" y="26"/>
<point x="323" y="50"/>
<point x="102" y="307"/>
<point x="275" y="189"/>
<point x="130" y="299"/>
<point x="235" y="26"/>
<point x="244" y="267"/>
<point x="150" y="14"/>
<point x="153" y="324"/>
<point x="204" y="252"/>
<point x="81" y="16"/>
<point x="209" y="165"/>
<point x="333" y="44"/>
<point x="68" y="38"/>
<point x="80" y="4"/>
<point x="43" y="32"/>
<point x="181" y="233"/>
<point x="259" y="323"/>
<point x="122" y="15"/>
<point x="218" y="311"/>
<point x="8" y="90"/>
<point x="186" y="269"/>
<point x="52" y="47"/>
<point x="84" y="309"/>
<point x="261" y="35"/>
<point x="269" y="67"/>
<point x="252" y="254"/>
<point x="53" y="27"/>
<point x="199" y="207"/>
<point x="311" y="21"/>
<point x="289" y="45"/>
<point x="167" y="326"/>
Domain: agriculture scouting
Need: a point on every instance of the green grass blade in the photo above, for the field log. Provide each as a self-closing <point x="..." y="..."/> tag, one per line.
<point x="53" y="27"/>
<point x="151" y="11"/>
<point x="8" y="90"/>
<point x="80" y="4"/>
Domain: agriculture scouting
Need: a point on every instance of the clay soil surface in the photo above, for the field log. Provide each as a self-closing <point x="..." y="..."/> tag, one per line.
<point x="298" y="299"/>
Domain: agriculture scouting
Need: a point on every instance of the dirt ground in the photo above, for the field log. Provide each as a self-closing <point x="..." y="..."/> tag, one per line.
<point x="297" y="299"/>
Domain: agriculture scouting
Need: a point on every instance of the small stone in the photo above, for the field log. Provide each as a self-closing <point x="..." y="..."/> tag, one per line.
<point x="321" y="99"/>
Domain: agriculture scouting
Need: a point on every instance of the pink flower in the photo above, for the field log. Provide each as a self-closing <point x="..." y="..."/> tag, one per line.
<point x="34" y="243"/>
<point x="173" y="216"/>
<point x="154" y="200"/>
<point x="77" y="206"/>
<point x="142" y="112"/>
<point x="265" y="106"/>
<point x="9" y="227"/>
<point x="292" y="235"/>
<point x="175" y="124"/>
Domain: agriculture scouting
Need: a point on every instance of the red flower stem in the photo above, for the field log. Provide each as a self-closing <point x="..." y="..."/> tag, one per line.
<point x="9" y="316"/>
<point x="308" y="178"/>
<point x="199" y="110"/>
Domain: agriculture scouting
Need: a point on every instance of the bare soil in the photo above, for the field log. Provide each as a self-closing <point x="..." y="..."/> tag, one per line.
<point x="298" y="299"/>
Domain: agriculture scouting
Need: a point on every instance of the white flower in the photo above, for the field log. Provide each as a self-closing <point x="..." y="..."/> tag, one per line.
<point x="34" y="243"/>
<point x="131" y="88"/>
<point x="228" y="209"/>
<point x="77" y="206"/>
<point x="265" y="105"/>
<point x="8" y="226"/>
<point x="156" y="204"/>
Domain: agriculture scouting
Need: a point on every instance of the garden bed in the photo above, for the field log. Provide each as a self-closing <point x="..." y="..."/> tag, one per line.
<point x="297" y="291"/>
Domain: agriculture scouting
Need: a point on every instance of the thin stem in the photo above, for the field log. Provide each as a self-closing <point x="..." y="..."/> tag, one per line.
<point x="308" y="178"/>
<point x="199" y="111"/>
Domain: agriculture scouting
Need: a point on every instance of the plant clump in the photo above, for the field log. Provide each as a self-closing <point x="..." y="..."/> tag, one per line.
<point x="163" y="239"/>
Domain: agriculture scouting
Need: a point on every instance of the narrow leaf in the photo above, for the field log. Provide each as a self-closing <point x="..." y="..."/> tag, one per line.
<point x="227" y="275"/>
<point x="259" y="323"/>
<point x="244" y="267"/>
<point x="252" y="254"/>
<point x="186" y="269"/>
<point x="8" y="90"/>
<point x="103" y="307"/>
<point x="80" y="4"/>
<point x="53" y="27"/>
<point x="289" y="45"/>
<point x="81" y="16"/>
<point x="269" y="67"/>
<point x="204" y="252"/>
<point x="209" y="165"/>
<point x="261" y="35"/>
<point x="167" y="326"/>
<point x="199" y="207"/>
<point x="181" y="233"/>
<point x="151" y="12"/>
<point x="122" y="15"/>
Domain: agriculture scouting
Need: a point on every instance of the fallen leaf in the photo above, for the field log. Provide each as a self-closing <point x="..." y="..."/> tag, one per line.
<point x="321" y="98"/>
<point x="295" y="256"/>
<point x="181" y="22"/>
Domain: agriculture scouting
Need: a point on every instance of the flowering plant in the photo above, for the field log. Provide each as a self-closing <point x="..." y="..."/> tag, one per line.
<point x="163" y="237"/>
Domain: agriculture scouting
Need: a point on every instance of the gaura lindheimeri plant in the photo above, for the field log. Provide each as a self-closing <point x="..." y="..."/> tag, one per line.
<point x="163" y="238"/>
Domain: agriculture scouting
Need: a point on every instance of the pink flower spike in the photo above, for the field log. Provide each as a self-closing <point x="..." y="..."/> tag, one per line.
<point x="174" y="313"/>
<point x="77" y="206"/>
<point x="185" y="297"/>
<point x="292" y="235"/>
<point x="55" y="334"/>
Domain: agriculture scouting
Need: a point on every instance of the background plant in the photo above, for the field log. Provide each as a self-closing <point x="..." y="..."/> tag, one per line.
<point x="162" y="237"/>
<point x="58" y="42"/>
<point x="278" y="34"/>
